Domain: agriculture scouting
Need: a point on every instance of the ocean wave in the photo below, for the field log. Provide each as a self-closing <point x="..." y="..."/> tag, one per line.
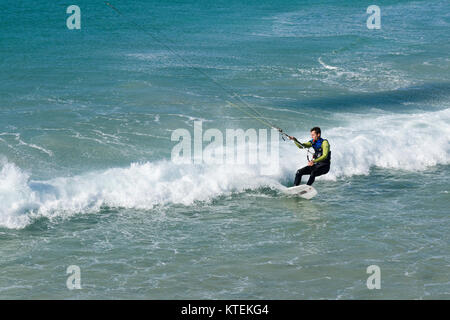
<point x="396" y="141"/>
<point x="413" y="142"/>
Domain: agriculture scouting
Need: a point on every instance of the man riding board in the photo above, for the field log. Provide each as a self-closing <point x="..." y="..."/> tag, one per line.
<point x="320" y="163"/>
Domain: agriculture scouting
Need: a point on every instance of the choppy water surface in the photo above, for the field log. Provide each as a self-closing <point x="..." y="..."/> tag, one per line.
<point x="86" y="176"/>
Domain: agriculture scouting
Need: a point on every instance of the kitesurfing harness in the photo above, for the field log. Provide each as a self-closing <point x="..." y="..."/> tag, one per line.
<point x="318" y="151"/>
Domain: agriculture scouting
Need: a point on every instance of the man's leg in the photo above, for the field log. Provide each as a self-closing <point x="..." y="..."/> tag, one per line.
<point x="300" y="173"/>
<point x="317" y="170"/>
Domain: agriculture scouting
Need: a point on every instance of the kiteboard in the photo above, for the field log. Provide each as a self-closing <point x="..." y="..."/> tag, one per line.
<point x="304" y="191"/>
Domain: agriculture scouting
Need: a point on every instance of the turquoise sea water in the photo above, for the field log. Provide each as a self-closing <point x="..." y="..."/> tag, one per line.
<point x="86" y="176"/>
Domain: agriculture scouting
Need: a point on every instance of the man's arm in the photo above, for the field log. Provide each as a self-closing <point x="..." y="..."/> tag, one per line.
<point x="299" y="144"/>
<point x="325" y="150"/>
<point x="302" y="145"/>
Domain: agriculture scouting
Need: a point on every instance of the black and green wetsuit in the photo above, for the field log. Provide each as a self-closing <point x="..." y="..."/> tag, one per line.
<point x="321" y="159"/>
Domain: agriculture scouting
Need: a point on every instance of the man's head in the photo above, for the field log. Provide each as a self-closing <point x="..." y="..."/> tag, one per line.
<point x="315" y="133"/>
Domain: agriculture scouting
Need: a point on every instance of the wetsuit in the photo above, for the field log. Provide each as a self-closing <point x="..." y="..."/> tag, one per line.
<point x="321" y="159"/>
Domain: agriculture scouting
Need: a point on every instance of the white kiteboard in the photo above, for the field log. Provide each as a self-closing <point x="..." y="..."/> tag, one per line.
<point x="303" y="190"/>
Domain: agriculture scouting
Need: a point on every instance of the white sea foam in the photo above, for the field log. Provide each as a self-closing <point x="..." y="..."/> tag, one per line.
<point x="23" y="143"/>
<point x="397" y="141"/>
<point x="326" y="66"/>
<point x="140" y="186"/>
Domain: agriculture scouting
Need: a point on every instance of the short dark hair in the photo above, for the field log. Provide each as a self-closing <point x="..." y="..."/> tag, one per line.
<point x="316" y="130"/>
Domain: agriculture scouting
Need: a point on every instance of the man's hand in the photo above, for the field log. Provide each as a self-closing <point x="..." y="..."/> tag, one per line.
<point x="311" y="163"/>
<point x="292" y="138"/>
